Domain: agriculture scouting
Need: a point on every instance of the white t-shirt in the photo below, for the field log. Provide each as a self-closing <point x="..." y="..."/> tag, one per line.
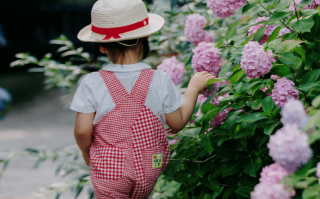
<point x="93" y="96"/>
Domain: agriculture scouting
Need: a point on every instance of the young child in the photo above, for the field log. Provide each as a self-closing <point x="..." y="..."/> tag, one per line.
<point x="123" y="108"/>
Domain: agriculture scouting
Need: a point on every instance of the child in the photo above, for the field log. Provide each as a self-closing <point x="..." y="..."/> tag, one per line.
<point x="123" y="108"/>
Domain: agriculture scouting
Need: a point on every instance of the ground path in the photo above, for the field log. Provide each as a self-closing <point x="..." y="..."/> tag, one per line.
<point x="40" y="121"/>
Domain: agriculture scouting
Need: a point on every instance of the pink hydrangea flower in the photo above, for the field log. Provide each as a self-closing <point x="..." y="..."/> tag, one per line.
<point x="173" y="68"/>
<point x="314" y="5"/>
<point x="220" y="117"/>
<point x="206" y="58"/>
<point x="194" y="29"/>
<point x="273" y="174"/>
<point x="172" y="142"/>
<point x="255" y="61"/>
<point x="268" y="31"/>
<point x="318" y="171"/>
<point x="283" y="91"/>
<point x="290" y="148"/>
<point x="275" y="77"/>
<point x="293" y="113"/>
<point x="284" y="31"/>
<point x="207" y="93"/>
<point x="225" y="8"/>
<point x="266" y="191"/>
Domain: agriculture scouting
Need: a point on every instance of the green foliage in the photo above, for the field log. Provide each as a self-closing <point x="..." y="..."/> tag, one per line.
<point x="226" y="161"/>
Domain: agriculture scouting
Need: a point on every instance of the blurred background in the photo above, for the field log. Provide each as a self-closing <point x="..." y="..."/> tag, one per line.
<point x="36" y="117"/>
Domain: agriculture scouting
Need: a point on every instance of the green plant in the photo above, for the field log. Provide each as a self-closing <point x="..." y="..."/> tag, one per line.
<point x="226" y="161"/>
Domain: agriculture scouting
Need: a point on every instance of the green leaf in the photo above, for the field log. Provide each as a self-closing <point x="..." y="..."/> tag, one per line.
<point x="304" y="25"/>
<point x="242" y="144"/>
<point x="247" y="40"/>
<point x="231" y="168"/>
<point x="259" y="34"/>
<point x="288" y="45"/>
<point x="219" y="44"/>
<point x="225" y="69"/>
<point x="244" y="191"/>
<point x="290" y="60"/>
<point x="314" y="137"/>
<point x="171" y="168"/>
<point x="281" y="70"/>
<point x="274" y="44"/>
<point x="276" y="17"/>
<point x="211" y="183"/>
<point x="246" y="8"/>
<point x="268" y="104"/>
<point x="236" y="77"/>
<point x="252" y="165"/>
<point x="274" y="34"/>
<point x="311" y="76"/>
<point x="256" y="105"/>
<point x="194" y="132"/>
<point x="268" y="129"/>
<point x="211" y="81"/>
<point x="316" y="101"/>
<point x="206" y="142"/>
<point x="307" y="87"/>
<point x="303" y="3"/>
<point x="311" y="192"/>
<point x="231" y="30"/>
<point x="252" y="117"/>
<point x="308" y="12"/>
<point x="290" y="36"/>
<point x="283" y="4"/>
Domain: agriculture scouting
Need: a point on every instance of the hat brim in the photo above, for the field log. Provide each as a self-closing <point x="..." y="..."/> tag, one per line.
<point x="156" y="22"/>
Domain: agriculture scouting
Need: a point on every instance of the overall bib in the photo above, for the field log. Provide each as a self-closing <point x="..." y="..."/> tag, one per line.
<point x="129" y="148"/>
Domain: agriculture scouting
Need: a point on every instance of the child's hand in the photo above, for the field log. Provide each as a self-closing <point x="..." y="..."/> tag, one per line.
<point x="199" y="81"/>
<point x="86" y="157"/>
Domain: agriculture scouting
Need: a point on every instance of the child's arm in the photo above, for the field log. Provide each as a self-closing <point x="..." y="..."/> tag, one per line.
<point x="83" y="133"/>
<point x="179" y="118"/>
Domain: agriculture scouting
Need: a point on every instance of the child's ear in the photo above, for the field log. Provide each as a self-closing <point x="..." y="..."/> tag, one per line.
<point x="102" y="49"/>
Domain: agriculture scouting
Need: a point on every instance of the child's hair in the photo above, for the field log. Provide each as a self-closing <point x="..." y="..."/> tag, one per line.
<point x="117" y="50"/>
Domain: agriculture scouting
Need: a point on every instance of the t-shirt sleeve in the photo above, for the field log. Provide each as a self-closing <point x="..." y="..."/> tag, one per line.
<point x="83" y="99"/>
<point x="172" y="99"/>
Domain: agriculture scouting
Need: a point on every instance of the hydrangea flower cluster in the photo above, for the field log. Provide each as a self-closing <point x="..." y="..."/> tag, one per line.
<point x="283" y="91"/>
<point x="268" y="31"/>
<point x="318" y="171"/>
<point x="207" y="93"/>
<point x="173" y="68"/>
<point x="273" y="174"/>
<point x="290" y="148"/>
<point x="194" y="29"/>
<point x="314" y="5"/>
<point x="266" y="191"/>
<point x="220" y="117"/>
<point x="275" y="77"/>
<point x="206" y="58"/>
<point x="225" y="8"/>
<point x="293" y="113"/>
<point x="255" y="61"/>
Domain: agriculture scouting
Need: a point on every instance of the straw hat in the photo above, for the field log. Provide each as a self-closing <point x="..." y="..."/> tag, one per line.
<point x="117" y="20"/>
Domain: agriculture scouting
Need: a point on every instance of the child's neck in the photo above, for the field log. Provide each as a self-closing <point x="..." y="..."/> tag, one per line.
<point x="130" y="58"/>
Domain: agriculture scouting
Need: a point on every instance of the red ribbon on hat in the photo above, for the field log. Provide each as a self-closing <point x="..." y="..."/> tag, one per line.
<point x="114" y="32"/>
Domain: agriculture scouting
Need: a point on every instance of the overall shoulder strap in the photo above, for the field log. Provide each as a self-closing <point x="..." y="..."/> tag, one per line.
<point x="115" y="88"/>
<point x="141" y="88"/>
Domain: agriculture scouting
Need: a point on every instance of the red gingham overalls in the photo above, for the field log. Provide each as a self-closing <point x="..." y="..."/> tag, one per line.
<point x="127" y="142"/>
